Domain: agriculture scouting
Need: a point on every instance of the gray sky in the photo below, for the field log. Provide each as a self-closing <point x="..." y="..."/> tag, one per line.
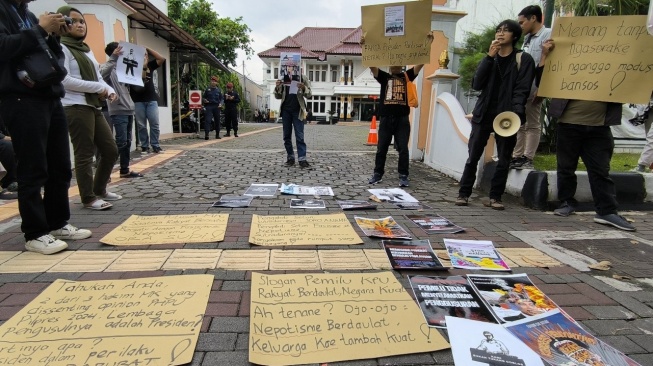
<point x="272" y="21"/>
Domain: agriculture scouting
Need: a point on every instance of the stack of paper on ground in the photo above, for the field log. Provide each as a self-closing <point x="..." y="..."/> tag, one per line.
<point x="511" y="297"/>
<point x="262" y="190"/>
<point x="347" y="205"/>
<point x="560" y="341"/>
<point x="394" y="195"/>
<point x="328" y="317"/>
<point x="412" y="254"/>
<point x="233" y="201"/>
<point x="474" y="254"/>
<point x="300" y="203"/>
<point x="145" y="321"/>
<point x="448" y="296"/>
<point x="412" y="206"/>
<point x="476" y="343"/>
<point x="331" y="229"/>
<point x="386" y="227"/>
<point x="305" y="190"/>
<point x="435" y="224"/>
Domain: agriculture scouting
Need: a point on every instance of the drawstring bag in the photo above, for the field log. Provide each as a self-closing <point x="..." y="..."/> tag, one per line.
<point x="411" y="93"/>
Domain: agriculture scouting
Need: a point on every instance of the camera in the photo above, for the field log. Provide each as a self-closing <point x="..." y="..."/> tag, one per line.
<point x="67" y="19"/>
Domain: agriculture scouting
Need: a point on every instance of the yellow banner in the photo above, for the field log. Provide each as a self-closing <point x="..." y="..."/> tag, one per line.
<point x="302" y="230"/>
<point x="396" y="33"/>
<point x="169" y="229"/>
<point x="146" y="321"/>
<point x="323" y="317"/>
<point x="606" y="59"/>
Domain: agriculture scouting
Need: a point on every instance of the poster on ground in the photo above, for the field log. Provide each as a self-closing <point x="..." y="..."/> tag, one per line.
<point x="307" y="204"/>
<point x="386" y="227"/>
<point x="607" y="58"/>
<point x="412" y="254"/>
<point x="305" y="190"/>
<point x="435" y="224"/>
<point x="233" y="201"/>
<point x="448" y="296"/>
<point x="475" y="343"/>
<point x="332" y="229"/>
<point x="262" y="190"/>
<point x="350" y="205"/>
<point x="560" y="341"/>
<point x="168" y="229"/>
<point x="328" y="317"/>
<point x="145" y="321"/>
<point x="396" y="33"/>
<point x="394" y="195"/>
<point x="475" y="254"/>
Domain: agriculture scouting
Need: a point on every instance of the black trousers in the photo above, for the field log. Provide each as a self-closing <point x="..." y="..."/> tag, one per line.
<point x="595" y="146"/>
<point x="476" y="146"/>
<point x="8" y="160"/>
<point x="231" y="120"/>
<point x="39" y="133"/>
<point x="399" y="127"/>
<point x="211" y="112"/>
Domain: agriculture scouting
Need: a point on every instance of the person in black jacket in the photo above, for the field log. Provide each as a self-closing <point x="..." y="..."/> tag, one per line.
<point x="39" y="132"/>
<point x="504" y="78"/>
<point x="231" y="100"/>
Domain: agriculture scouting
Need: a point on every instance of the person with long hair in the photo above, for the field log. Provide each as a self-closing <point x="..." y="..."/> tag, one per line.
<point x="89" y="131"/>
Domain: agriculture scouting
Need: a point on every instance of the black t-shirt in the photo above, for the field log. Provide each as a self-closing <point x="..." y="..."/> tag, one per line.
<point x="147" y="93"/>
<point x="394" y="99"/>
<point x="290" y="102"/>
<point x="501" y="69"/>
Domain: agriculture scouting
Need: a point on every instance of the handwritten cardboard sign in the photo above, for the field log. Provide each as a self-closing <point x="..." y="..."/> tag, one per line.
<point x="302" y="230"/>
<point x="396" y="33"/>
<point x="607" y="59"/>
<point x="145" y="321"/>
<point x="169" y="229"/>
<point x="324" y="317"/>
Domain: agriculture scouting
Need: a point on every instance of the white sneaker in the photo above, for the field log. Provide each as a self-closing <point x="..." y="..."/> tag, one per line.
<point x="46" y="244"/>
<point x="110" y="196"/>
<point x="70" y="232"/>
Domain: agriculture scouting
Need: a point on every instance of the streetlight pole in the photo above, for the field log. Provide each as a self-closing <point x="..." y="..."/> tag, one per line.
<point x="244" y="90"/>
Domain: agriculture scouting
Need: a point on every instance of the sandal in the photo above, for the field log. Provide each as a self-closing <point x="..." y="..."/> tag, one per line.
<point x="110" y="196"/>
<point x="98" y="205"/>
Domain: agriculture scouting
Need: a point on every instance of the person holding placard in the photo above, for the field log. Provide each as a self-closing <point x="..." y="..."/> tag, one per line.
<point x="583" y="131"/>
<point x="528" y="136"/>
<point x="147" y="106"/>
<point x="504" y="77"/>
<point x="293" y="112"/>
<point x="393" y="114"/>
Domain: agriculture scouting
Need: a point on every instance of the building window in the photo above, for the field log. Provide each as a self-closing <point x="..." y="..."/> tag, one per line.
<point x="317" y="104"/>
<point x="276" y="72"/>
<point x="317" y="73"/>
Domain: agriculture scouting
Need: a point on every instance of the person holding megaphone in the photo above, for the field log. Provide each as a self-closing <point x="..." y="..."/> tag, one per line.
<point x="504" y="78"/>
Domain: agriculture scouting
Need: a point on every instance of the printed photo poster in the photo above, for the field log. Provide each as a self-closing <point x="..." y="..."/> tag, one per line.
<point x="412" y="254"/>
<point x="386" y="227"/>
<point x="606" y="58"/>
<point x="435" y="224"/>
<point x="396" y="33"/>
<point x="129" y="66"/>
<point x="308" y="204"/>
<point x="262" y="190"/>
<point x="349" y="205"/>
<point x="439" y="297"/>
<point x="511" y="297"/>
<point x="394" y="195"/>
<point x="559" y="341"/>
<point x="233" y="201"/>
<point x="305" y="190"/>
<point x="290" y="69"/>
<point x="475" y="254"/>
<point x="475" y="343"/>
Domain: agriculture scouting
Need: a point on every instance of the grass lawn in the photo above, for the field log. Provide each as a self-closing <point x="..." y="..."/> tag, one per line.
<point x="621" y="162"/>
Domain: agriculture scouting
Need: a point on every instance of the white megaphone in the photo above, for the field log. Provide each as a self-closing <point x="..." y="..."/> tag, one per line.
<point x="506" y="124"/>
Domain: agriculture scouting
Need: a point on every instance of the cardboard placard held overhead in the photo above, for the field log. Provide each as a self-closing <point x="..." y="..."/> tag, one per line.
<point x="325" y="317"/>
<point x="608" y="58"/>
<point x="396" y="33"/>
<point x="169" y="229"/>
<point x="302" y="230"/>
<point x="145" y="321"/>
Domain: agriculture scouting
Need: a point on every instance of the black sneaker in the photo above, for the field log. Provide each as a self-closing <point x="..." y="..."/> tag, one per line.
<point x="403" y="181"/>
<point x="304" y="164"/>
<point x="376" y="178"/>
<point x="564" y="210"/>
<point x="614" y="220"/>
<point x="227" y="135"/>
<point x="527" y="165"/>
<point x="235" y="134"/>
<point x="217" y="137"/>
<point x="290" y="162"/>
<point x="145" y="150"/>
<point x="517" y="163"/>
<point x="157" y="150"/>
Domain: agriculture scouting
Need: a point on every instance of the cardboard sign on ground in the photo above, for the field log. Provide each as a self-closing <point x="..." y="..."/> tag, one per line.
<point x="323" y="317"/>
<point x="332" y="229"/>
<point x="145" y="321"/>
<point x="168" y="229"/>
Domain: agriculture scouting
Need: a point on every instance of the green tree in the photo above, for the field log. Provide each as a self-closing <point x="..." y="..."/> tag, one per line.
<point x="603" y="7"/>
<point x="222" y="36"/>
<point x="474" y="49"/>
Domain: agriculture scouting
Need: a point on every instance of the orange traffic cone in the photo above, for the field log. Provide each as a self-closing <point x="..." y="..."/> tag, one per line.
<point x="373" y="137"/>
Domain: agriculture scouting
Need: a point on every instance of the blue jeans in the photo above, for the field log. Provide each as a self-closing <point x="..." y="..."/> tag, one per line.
<point x="291" y="120"/>
<point x="148" y="112"/>
<point x="122" y="125"/>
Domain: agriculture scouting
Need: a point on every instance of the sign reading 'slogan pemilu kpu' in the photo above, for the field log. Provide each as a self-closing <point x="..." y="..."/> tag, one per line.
<point x="606" y="59"/>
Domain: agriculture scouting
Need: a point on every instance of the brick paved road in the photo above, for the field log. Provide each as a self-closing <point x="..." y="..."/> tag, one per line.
<point x="620" y="312"/>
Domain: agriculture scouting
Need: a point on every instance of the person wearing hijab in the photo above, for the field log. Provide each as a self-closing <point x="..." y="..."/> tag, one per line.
<point x="89" y="131"/>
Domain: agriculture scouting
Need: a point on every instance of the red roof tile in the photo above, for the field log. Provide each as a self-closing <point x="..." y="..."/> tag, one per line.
<point x="318" y="43"/>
